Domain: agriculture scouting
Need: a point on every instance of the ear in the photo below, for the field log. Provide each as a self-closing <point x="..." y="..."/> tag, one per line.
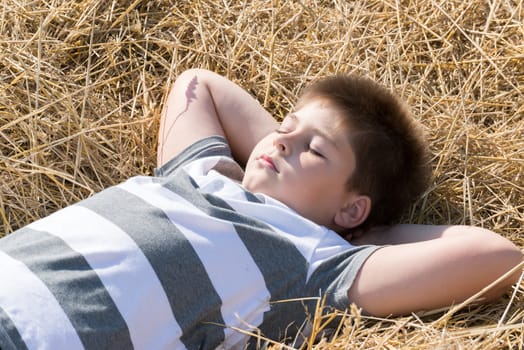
<point x="354" y="212"/>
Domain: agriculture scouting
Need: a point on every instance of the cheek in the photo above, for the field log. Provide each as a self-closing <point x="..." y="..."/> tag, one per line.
<point x="261" y="147"/>
<point x="256" y="150"/>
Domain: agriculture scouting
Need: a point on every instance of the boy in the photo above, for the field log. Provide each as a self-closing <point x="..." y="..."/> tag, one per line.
<point x="185" y="259"/>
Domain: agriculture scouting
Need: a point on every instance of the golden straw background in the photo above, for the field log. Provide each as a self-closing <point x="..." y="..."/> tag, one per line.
<point x="82" y="85"/>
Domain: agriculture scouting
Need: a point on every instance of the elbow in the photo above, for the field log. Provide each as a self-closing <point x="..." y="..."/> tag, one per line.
<point x="508" y="262"/>
<point x="513" y="259"/>
<point x="508" y="255"/>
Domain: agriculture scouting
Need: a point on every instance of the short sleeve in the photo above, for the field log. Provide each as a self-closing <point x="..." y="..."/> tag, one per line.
<point x="207" y="147"/>
<point x="335" y="275"/>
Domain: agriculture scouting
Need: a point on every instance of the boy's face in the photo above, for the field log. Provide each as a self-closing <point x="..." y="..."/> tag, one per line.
<point x="305" y="163"/>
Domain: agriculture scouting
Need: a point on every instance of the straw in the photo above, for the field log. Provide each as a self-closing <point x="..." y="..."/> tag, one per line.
<point x="82" y="85"/>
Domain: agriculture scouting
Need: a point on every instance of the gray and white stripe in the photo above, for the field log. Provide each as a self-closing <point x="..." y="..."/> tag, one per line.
<point x="235" y="258"/>
<point x="20" y="285"/>
<point x="274" y="255"/>
<point x="176" y="264"/>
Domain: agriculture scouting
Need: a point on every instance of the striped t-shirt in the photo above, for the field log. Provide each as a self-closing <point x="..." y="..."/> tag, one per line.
<point x="187" y="259"/>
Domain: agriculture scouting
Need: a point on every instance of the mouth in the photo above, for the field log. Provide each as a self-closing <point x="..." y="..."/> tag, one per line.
<point x="268" y="162"/>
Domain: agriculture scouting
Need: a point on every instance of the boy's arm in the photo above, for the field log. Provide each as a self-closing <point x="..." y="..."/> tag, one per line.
<point x="430" y="267"/>
<point x="202" y="103"/>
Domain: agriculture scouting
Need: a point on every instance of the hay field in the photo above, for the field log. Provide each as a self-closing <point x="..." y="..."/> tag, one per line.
<point x="82" y="85"/>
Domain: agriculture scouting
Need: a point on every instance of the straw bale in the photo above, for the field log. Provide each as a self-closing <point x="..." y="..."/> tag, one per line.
<point x="82" y="84"/>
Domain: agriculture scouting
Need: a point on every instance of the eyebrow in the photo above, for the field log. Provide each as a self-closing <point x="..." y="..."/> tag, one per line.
<point x="317" y="130"/>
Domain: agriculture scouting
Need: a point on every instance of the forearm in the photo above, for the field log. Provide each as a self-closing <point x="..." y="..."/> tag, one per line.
<point x="243" y="119"/>
<point x="202" y="103"/>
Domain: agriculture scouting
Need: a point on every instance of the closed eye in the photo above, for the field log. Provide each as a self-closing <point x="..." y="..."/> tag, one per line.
<point x="315" y="152"/>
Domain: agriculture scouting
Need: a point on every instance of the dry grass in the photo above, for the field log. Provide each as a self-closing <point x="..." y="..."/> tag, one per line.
<point x="82" y="85"/>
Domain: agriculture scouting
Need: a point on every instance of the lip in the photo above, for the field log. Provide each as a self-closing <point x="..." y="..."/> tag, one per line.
<point x="268" y="161"/>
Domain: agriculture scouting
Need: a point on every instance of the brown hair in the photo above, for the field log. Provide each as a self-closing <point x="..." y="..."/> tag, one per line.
<point x="392" y="158"/>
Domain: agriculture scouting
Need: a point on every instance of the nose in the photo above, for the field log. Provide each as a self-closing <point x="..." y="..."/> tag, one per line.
<point x="282" y="143"/>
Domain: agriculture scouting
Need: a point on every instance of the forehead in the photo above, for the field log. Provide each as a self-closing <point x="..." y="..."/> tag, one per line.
<point x="323" y="116"/>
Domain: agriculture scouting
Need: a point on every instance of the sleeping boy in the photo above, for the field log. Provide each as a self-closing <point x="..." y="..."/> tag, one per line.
<point x="245" y="226"/>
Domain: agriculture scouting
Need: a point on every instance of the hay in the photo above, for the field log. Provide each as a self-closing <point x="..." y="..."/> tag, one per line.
<point x="82" y="85"/>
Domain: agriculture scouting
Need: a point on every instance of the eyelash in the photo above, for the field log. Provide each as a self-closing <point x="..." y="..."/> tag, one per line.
<point x="315" y="152"/>
<point x="309" y="149"/>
